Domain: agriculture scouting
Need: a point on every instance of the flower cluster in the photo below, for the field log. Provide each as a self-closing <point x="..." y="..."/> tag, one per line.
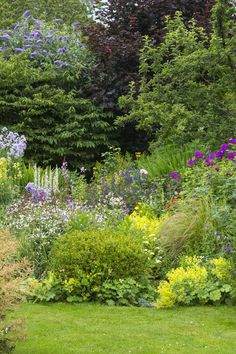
<point x="175" y="175"/>
<point x="12" y="145"/>
<point x="196" y="281"/>
<point x="38" y="194"/>
<point x="43" y="43"/>
<point x="225" y="152"/>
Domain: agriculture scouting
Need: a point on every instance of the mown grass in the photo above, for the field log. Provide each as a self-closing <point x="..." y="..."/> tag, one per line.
<point x="89" y="328"/>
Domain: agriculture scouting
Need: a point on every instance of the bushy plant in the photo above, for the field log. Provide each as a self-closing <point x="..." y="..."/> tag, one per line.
<point x="106" y="254"/>
<point x="187" y="87"/>
<point x="116" y="38"/>
<point x="46" y="97"/>
<point x="197" y="281"/>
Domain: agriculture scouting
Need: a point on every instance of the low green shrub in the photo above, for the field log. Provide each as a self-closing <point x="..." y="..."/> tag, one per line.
<point x="107" y="254"/>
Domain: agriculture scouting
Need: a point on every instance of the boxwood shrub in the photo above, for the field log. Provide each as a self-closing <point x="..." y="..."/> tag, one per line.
<point x="103" y="254"/>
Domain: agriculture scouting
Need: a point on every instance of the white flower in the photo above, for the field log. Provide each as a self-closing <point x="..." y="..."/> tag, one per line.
<point x="143" y="171"/>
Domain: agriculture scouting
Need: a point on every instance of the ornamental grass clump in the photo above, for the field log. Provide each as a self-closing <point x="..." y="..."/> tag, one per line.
<point x="197" y="281"/>
<point x="190" y="230"/>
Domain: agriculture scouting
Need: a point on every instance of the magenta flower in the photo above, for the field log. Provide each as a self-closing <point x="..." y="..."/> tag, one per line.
<point x="175" y="175"/>
<point x="198" y="155"/>
<point x="219" y="154"/>
<point x="224" y="147"/>
<point x="232" y="141"/>
<point x="231" y="155"/>
<point x="192" y="162"/>
<point x="212" y="155"/>
<point x="209" y="162"/>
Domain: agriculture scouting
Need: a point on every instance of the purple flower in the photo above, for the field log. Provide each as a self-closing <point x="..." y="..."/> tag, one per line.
<point x="27" y="13"/>
<point x="37" y="194"/>
<point x="209" y="162"/>
<point x="220" y="154"/>
<point x="76" y="24"/>
<point x="231" y="155"/>
<point x="232" y="141"/>
<point x="212" y="155"/>
<point x="12" y="144"/>
<point x="35" y="53"/>
<point x="58" y="20"/>
<point x="6" y="37"/>
<point x="19" y="50"/>
<point x="49" y="36"/>
<point x="30" y="187"/>
<point x="224" y="147"/>
<point x="38" y="22"/>
<point x="192" y="162"/>
<point x="175" y="175"/>
<point x="62" y="50"/>
<point x="198" y="155"/>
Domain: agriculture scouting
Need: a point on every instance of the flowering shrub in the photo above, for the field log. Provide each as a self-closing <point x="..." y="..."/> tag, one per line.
<point x="226" y="152"/>
<point x="197" y="281"/>
<point x="43" y="43"/>
<point x="37" y="194"/>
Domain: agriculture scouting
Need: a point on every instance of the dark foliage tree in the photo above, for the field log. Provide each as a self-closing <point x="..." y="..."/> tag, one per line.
<point x="187" y="87"/>
<point x="116" y="38"/>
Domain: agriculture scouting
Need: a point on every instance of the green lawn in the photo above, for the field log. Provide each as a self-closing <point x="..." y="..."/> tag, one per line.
<point x="89" y="328"/>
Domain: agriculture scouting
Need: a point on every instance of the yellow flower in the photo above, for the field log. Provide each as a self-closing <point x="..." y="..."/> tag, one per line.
<point x="221" y="268"/>
<point x="3" y="168"/>
<point x="167" y="296"/>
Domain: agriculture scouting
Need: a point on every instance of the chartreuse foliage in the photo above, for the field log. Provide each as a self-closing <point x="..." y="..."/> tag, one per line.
<point x="104" y="254"/>
<point x="197" y="281"/>
<point x="96" y="265"/>
<point x="187" y="88"/>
